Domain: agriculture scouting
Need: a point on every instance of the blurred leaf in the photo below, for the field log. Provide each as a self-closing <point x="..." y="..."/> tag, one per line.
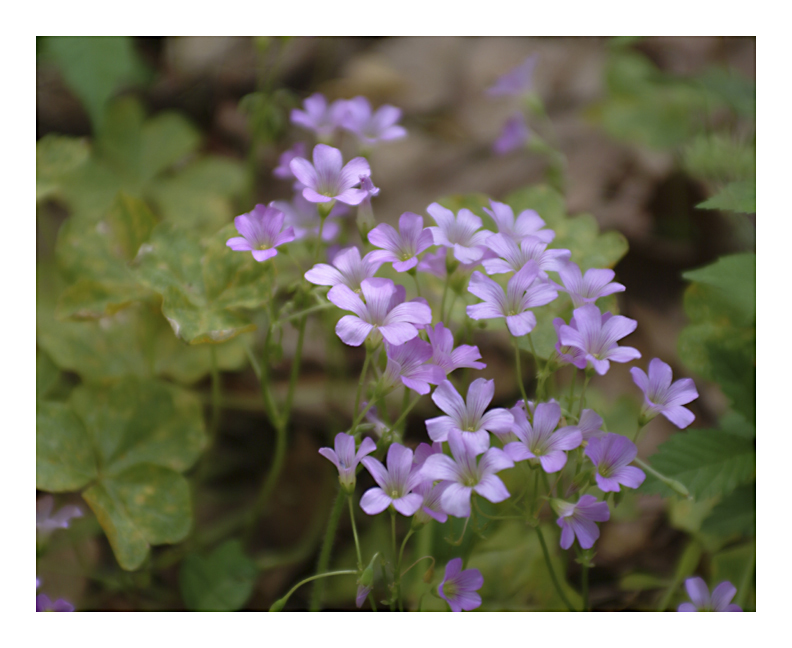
<point x="96" y="67"/>
<point x="736" y="513"/>
<point x="739" y="196"/>
<point x="220" y="582"/>
<point x="641" y="582"/>
<point x="737" y="91"/>
<point x="142" y="506"/>
<point x="718" y="157"/>
<point x="137" y="421"/>
<point x="738" y="566"/>
<point x="203" y="284"/>
<point x="708" y="462"/>
<point x="47" y="374"/>
<point x="735" y="424"/>
<point x="687" y="515"/>
<point x="64" y="455"/>
<point x="166" y="139"/>
<point x="56" y="157"/>
<point x="734" y="277"/>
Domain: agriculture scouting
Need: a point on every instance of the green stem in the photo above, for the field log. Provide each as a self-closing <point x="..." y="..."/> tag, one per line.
<point x="398" y="569"/>
<point x="584" y="587"/>
<point x="354" y="533"/>
<point x="519" y="373"/>
<point x="295" y="372"/>
<point x="307" y="311"/>
<point x="405" y="412"/>
<point x="327" y="546"/>
<point x="361" y="382"/>
<point x="278" y="605"/>
<point x="445" y="293"/>
<point x="393" y="547"/>
<point x="415" y="278"/>
<point x="673" y="484"/>
<point x="583" y="394"/>
<point x="552" y="571"/>
<point x="360" y="416"/>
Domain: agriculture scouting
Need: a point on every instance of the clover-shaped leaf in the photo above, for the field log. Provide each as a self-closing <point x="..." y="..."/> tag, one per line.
<point x="56" y="157"/>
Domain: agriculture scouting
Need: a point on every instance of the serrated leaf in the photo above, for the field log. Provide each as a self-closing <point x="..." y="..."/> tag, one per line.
<point x="717" y="157"/>
<point x="220" y="582"/>
<point x="56" y="157"/>
<point x="736" y="513"/>
<point x="137" y="421"/>
<point x="65" y="458"/>
<point x="734" y="276"/>
<point x="739" y="196"/>
<point x="708" y="462"/>
<point x="142" y="506"/>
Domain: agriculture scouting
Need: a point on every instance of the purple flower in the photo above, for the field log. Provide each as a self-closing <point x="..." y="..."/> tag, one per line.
<point x="513" y="257"/>
<point x="468" y="419"/>
<point x="410" y="364"/>
<point x="46" y="522"/>
<point x="541" y="440"/>
<point x="528" y="223"/>
<point x="588" y="288"/>
<point x="401" y="248"/>
<point x="350" y="270"/>
<point x="702" y="602"/>
<point x="662" y="397"/>
<point x="610" y="454"/>
<point x="459" y="588"/>
<point x="568" y="354"/>
<point x="436" y="263"/>
<point x="514" y="135"/>
<point x="596" y="336"/>
<point x="445" y="356"/>
<point x="515" y="82"/>
<point x="432" y="507"/>
<point x="303" y="216"/>
<point x="369" y="127"/>
<point x="578" y="520"/>
<point x="383" y="311"/>
<point x="466" y="475"/>
<point x="590" y="424"/>
<point x="318" y="116"/>
<point x="459" y="232"/>
<point x="44" y="604"/>
<point x="283" y="171"/>
<point x="523" y="291"/>
<point x="328" y="178"/>
<point x="378" y="426"/>
<point x="261" y="232"/>
<point x="395" y="484"/>
<point x="346" y="459"/>
<point x="365" y="214"/>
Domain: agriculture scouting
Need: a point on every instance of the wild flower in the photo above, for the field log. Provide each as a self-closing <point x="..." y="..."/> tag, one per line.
<point x="661" y="396"/>
<point x="261" y="232"/>
<point x="699" y="593"/>
<point x="611" y="454"/>
<point x="459" y="588"/>
<point x="328" y="178"/>
<point x="403" y="247"/>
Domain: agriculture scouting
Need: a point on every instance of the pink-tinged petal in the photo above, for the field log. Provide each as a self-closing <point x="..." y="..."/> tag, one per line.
<point x="629" y="476"/>
<point x="679" y="416"/>
<point x="374" y="501"/>
<point x="616" y="328"/>
<point x="239" y="244"/>
<point x="347" y="299"/>
<point x="304" y="171"/>
<point x="447" y="398"/>
<point x="286" y="236"/>
<point x="312" y="196"/>
<point x="567" y="534"/>
<point x="456" y="500"/>
<point x="438" y="428"/>
<point x="352" y="330"/>
<point x="425" y="240"/>
<point x="518" y="451"/>
<point x="439" y="467"/>
<point x="453" y="568"/>
<point x="571" y="337"/>
<point x="687" y="607"/>
<point x="263" y="255"/>
<point x="248" y="227"/>
<point x="409" y="504"/>
<point x="491" y="488"/>
<point x="377" y="470"/>
<point x="553" y="461"/>
<point x="345" y="449"/>
<point x="538" y="295"/>
<point x="521" y="324"/>
<point x="410" y="226"/>
<point x="393" y="133"/>
<point x="698" y="592"/>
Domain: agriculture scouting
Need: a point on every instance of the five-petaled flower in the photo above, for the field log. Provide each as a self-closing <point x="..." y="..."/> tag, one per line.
<point x="588" y="288"/>
<point x="460" y="588"/>
<point x="328" y="178"/>
<point x="411" y="364"/>
<point x="348" y="269"/>
<point x="663" y="397"/>
<point x="261" y="232"/>
<point x="403" y="247"/>
<point x="512" y="256"/>
<point x="318" y="116"/>
<point x="578" y="520"/>
<point x="460" y="232"/>
<point x="395" y="484"/>
<point x="541" y="440"/>
<point x="611" y="454"/>
<point x="699" y="593"/>
<point x="346" y="459"/>
<point x="445" y="356"/>
<point x="370" y="126"/>
<point x="528" y="223"/>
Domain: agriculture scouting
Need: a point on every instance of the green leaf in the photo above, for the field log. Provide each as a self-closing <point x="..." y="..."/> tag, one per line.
<point x="137" y="421"/>
<point x="65" y="458"/>
<point x="220" y="582"/>
<point x="578" y="234"/>
<point x="96" y="67"/>
<point x="203" y="284"/>
<point x="718" y="157"/>
<point x="736" y="513"/>
<point x="708" y="462"/>
<point x="739" y="196"/>
<point x="47" y="374"/>
<point x="166" y="139"/>
<point x="56" y="157"/>
<point x="734" y="279"/>
<point x="142" y="506"/>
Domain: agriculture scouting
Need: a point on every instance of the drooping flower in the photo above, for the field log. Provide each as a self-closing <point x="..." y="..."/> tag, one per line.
<point x="517" y="81"/>
<point x="514" y="135"/>
<point x="395" y="484"/>
<point x="445" y="356"/>
<point x="44" y="604"/>
<point x="46" y="522"/>
<point x="460" y="588"/>
<point x="261" y="232"/>
<point x="596" y="336"/>
<point x="328" y="178"/>
<point x="588" y="288"/>
<point x="523" y="291"/>
<point x="411" y="364"/>
<point x="611" y="455"/>
<point x="468" y="418"/>
<point x="514" y="256"/>
<point x="370" y="126"/>
<point x="460" y="232"/>
<point x="403" y="247"/>
<point x="699" y="593"/>
<point x="303" y="216"/>
<point x="283" y="170"/>
<point x="578" y="520"/>
<point x="318" y="117"/>
<point x="541" y="440"/>
<point x="346" y="459"/>
<point x="348" y="269"/>
<point x="466" y="474"/>
<point x="663" y="397"/>
<point x="383" y="311"/>
<point x="528" y="223"/>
